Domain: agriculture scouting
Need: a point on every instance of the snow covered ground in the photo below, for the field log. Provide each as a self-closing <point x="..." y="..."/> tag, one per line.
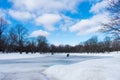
<point x="59" y="67"/>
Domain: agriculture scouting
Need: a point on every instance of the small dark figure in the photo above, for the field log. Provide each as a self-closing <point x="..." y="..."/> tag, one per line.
<point x="68" y="55"/>
<point x="52" y="53"/>
<point x="20" y="52"/>
<point x="26" y="52"/>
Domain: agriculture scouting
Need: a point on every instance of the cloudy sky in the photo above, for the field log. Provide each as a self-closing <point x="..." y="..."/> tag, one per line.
<point x="61" y="21"/>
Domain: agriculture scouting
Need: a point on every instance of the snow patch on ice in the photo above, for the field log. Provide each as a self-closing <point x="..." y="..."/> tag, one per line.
<point x="96" y="69"/>
<point x="32" y="75"/>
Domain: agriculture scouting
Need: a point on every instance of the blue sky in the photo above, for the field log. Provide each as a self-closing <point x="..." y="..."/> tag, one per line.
<point x="61" y="21"/>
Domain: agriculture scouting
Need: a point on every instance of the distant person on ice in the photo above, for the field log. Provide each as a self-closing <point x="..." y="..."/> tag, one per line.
<point x="68" y="55"/>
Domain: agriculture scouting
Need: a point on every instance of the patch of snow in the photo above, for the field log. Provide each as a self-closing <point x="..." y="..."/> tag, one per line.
<point x="96" y="69"/>
<point x="19" y="56"/>
<point x="33" y="75"/>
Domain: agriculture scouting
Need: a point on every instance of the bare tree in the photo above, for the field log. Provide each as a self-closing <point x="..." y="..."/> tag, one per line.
<point x="116" y="45"/>
<point x="30" y="46"/>
<point x="12" y="40"/>
<point x="17" y="36"/>
<point x="114" y="24"/>
<point x="42" y="44"/>
<point x="107" y="44"/>
<point x="3" y="24"/>
<point x="91" y="44"/>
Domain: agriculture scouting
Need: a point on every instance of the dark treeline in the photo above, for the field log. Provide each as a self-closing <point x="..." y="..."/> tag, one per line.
<point x="17" y="40"/>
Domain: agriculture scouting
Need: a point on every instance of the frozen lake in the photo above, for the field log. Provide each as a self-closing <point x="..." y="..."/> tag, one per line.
<point x="47" y="60"/>
<point x="32" y="66"/>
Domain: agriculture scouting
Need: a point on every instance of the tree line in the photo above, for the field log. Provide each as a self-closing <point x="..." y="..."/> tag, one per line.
<point x="17" y="40"/>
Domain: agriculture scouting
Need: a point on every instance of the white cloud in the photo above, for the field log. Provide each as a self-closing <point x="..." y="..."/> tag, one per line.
<point x="89" y="31"/>
<point x="66" y="22"/>
<point x="48" y="20"/>
<point x="48" y="13"/>
<point x="45" y="5"/>
<point x="39" y="33"/>
<point x="2" y="13"/>
<point x="43" y="12"/>
<point x="99" y="7"/>
<point x="93" y="24"/>
<point x="90" y="25"/>
<point x="21" y="15"/>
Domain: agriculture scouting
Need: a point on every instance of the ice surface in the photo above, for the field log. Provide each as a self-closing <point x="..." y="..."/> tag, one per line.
<point x="59" y="67"/>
